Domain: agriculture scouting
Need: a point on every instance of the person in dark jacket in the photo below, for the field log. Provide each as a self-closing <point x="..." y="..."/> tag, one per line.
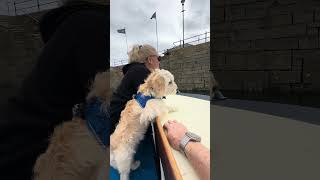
<point x="76" y="38"/>
<point x="142" y="60"/>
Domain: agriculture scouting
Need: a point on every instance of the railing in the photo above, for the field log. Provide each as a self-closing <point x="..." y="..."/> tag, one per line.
<point x="29" y="6"/>
<point x="118" y="62"/>
<point x="201" y="38"/>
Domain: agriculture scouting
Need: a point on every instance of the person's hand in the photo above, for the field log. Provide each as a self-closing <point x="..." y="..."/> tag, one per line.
<point x="175" y="132"/>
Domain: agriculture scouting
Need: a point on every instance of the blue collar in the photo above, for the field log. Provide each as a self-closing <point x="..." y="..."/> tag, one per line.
<point x="98" y="121"/>
<point x="142" y="99"/>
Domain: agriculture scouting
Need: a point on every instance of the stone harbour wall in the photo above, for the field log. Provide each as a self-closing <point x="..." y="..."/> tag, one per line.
<point x="266" y="46"/>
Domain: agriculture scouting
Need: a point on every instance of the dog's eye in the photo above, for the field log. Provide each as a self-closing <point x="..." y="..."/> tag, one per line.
<point x="170" y="82"/>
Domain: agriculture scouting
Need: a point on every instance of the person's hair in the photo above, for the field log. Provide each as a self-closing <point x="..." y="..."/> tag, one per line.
<point x="140" y="53"/>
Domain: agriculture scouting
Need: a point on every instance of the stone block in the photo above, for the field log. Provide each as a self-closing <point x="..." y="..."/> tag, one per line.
<point x="221" y="27"/>
<point x="188" y="87"/>
<point x="317" y="16"/>
<point x="279" y="9"/>
<point x="309" y="42"/>
<point x="206" y="85"/>
<point x="276" y="32"/>
<point x="312" y="31"/>
<point x="276" y="44"/>
<point x="283" y="2"/>
<point x="217" y="35"/>
<point x="205" y="68"/>
<point x="279" y="88"/>
<point x="199" y="86"/>
<point x="252" y="86"/>
<point x="218" y="14"/>
<point x="269" y="60"/>
<point x="277" y="20"/>
<point x="257" y="10"/>
<point x="234" y="13"/>
<point x="287" y="31"/>
<point x="197" y="80"/>
<point x="252" y="34"/>
<point x="247" y="24"/>
<point x="221" y="44"/>
<point x="309" y="59"/>
<point x="218" y="60"/>
<point x="285" y="77"/>
<point x="236" y="62"/>
<point x="218" y="3"/>
<point x="240" y="45"/>
<point x="238" y="80"/>
<point x="240" y="2"/>
<point x="302" y="17"/>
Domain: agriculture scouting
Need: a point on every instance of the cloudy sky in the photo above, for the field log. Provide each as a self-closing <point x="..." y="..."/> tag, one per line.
<point x="3" y="7"/>
<point x="135" y="16"/>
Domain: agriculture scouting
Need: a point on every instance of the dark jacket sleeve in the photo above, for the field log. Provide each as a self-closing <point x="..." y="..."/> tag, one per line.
<point x="128" y="86"/>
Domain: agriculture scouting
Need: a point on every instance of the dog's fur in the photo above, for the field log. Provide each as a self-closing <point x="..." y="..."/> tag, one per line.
<point x="135" y="120"/>
<point x="73" y="152"/>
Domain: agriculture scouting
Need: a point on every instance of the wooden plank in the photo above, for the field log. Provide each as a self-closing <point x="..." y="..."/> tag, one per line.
<point x="170" y="168"/>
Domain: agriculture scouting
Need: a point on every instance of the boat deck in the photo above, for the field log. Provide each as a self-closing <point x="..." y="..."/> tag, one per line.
<point x="260" y="140"/>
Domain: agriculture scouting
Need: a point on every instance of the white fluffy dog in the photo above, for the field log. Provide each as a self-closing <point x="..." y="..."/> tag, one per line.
<point x="135" y="120"/>
<point x="74" y="152"/>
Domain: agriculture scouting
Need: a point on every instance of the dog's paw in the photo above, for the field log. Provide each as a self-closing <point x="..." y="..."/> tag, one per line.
<point x="135" y="165"/>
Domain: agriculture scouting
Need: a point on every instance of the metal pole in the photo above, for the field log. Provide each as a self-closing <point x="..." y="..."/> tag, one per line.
<point x="38" y="5"/>
<point x="15" y="8"/>
<point x="205" y="39"/>
<point x="8" y="8"/>
<point x="157" y="33"/>
<point x="126" y="41"/>
<point x="183" y="25"/>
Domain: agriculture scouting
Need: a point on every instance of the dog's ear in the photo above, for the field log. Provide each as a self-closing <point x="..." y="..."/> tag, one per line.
<point x="158" y="84"/>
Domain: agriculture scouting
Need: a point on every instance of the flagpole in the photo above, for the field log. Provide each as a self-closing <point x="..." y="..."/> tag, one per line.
<point x="126" y="41"/>
<point x="154" y="15"/>
<point x="182" y="2"/>
<point x="157" y="33"/>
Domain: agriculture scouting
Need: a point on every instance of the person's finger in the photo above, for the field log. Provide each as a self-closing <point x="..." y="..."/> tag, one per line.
<point x="170" y="121"/>
<point x="175" y="121"/>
